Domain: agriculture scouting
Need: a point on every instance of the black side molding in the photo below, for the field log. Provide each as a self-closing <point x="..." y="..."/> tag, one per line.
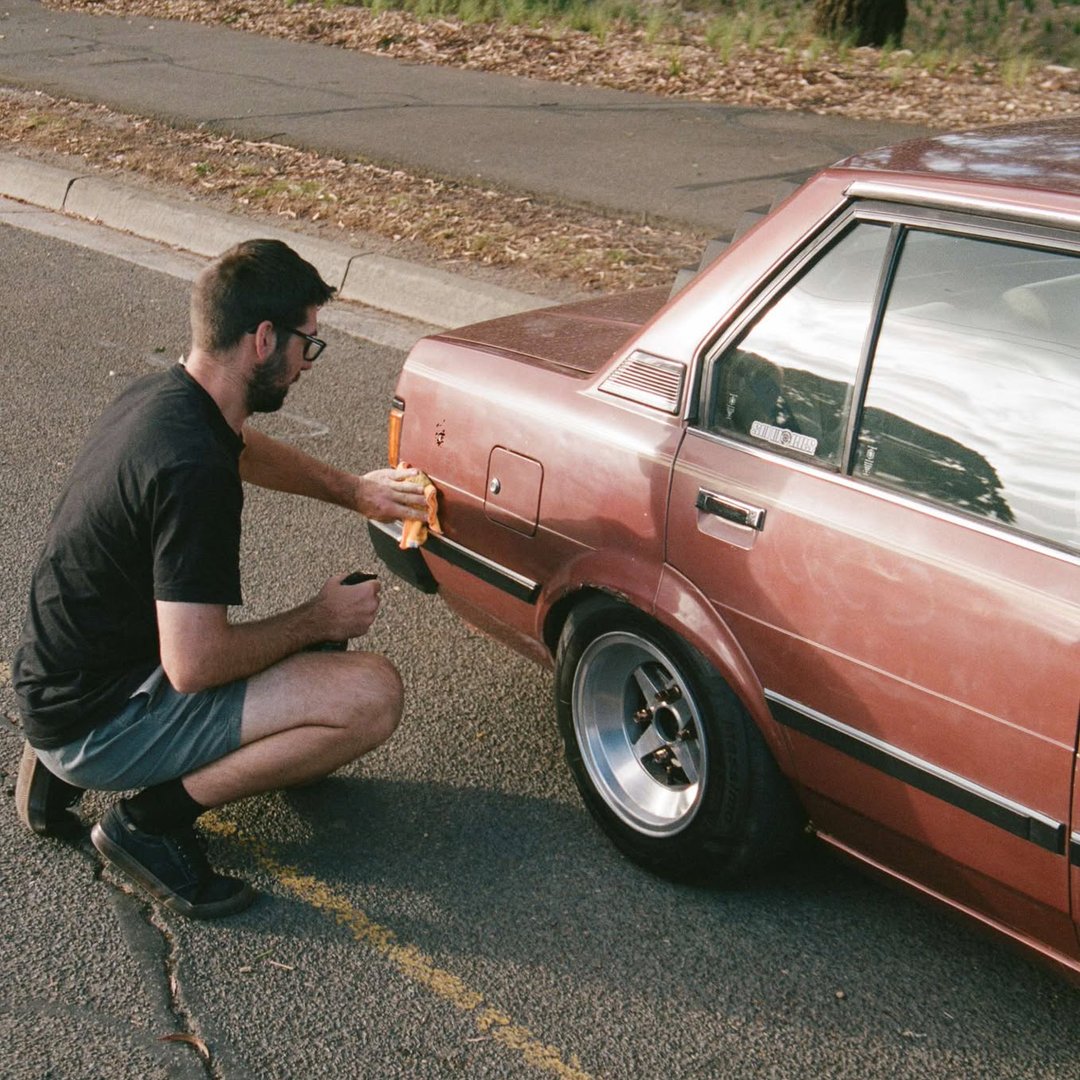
<point x="996" y="809"/>
<point x="411" y="566"/>
<point x="408" y="565"/>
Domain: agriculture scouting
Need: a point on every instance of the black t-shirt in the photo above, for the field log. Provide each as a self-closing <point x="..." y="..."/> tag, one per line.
<point x="151" y="512"/>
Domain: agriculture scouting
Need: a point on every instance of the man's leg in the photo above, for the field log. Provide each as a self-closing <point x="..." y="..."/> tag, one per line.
<point x="302" y="719"/>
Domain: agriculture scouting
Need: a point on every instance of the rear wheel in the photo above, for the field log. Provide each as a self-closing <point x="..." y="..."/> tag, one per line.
<point x="665" y="756"/>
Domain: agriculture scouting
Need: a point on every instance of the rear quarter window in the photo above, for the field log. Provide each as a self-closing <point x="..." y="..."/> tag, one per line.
<point x="787" y="381"/>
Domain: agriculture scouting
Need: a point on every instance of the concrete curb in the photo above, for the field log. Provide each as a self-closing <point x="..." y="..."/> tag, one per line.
<point x="413" y="291"/>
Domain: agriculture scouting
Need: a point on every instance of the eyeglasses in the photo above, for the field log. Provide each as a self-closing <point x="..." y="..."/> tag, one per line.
<point x="313" y="346"/>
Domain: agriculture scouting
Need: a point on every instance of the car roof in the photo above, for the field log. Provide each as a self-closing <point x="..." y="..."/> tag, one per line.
<point x="1042" y="155"/>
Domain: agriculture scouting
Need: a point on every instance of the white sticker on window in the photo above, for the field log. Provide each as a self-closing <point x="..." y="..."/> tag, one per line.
<point x="779" y="436"/>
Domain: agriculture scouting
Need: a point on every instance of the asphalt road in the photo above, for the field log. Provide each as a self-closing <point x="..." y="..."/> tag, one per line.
<point x="444" y="909"/>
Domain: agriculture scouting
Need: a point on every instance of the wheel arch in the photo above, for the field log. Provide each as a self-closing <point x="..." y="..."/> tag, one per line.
<point x="681" y="608"/>
<point x="617" y="575"/>
<point x="684" y="609"/>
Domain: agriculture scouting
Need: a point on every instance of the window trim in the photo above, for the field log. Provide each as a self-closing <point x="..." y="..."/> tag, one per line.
<point x="904" y="197"/>
<point x="890" y="260"/>
<point x="1029" y="234"/>
<point x="762" y="294"/>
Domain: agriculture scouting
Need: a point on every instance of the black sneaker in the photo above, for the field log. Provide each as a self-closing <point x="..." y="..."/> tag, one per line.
<point x="171" y="866"/>
<point x="43" y="801"/>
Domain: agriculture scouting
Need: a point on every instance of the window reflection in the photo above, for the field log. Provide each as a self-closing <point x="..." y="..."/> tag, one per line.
<point x="974" y="395"/>
<point x="787" y="382"/>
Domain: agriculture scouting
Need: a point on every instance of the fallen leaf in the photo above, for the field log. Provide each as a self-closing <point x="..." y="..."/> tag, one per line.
<point x="191" y="1040"/>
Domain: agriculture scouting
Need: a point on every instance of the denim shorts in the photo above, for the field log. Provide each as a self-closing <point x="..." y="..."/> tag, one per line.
<point x="158" y="735"/>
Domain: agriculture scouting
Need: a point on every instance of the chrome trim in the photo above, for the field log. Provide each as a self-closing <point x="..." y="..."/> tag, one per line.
<point x="990" y="806"/>
<point x="391" y="528"/>
<point x="710" y="502"/>
<point x="874" y="189"/>
<point x="1074" y="849"/>
<point x="497" y="568"/>
<point x="486" y="569"/>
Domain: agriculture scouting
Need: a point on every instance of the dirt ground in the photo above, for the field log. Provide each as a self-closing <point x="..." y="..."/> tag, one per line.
<point x="465" y="227"/>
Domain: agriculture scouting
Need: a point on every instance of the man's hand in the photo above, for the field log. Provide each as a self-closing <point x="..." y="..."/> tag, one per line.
<point x="385" y="495"/>
<point x="348" y="610"/>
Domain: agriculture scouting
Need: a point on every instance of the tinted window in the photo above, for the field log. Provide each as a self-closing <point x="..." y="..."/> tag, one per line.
<point x="787" y="381"/>
<point x="974" y="394"/>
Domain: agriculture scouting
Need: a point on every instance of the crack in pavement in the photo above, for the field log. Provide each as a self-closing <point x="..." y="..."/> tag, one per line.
<point x="796" y="176"/>
<point x="156" y="955"/>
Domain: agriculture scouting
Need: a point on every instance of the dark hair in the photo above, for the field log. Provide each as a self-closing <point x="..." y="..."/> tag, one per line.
<point x="255" y="281"/>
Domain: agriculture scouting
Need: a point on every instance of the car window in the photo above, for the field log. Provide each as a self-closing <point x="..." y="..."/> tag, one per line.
<point x="973" y="399"/>
<point x="787" y="381"/>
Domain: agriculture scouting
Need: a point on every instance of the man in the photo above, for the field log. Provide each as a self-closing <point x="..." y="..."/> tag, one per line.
<point x="130" y="675"/>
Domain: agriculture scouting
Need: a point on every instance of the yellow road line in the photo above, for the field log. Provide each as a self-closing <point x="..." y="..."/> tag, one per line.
<point x="408" y="959"/>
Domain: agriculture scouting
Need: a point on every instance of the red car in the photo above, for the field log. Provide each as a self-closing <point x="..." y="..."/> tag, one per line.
<point x="802" y="540"/>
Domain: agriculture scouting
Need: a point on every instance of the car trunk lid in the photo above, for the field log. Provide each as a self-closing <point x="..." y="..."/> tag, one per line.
<point x="574" y="338"/>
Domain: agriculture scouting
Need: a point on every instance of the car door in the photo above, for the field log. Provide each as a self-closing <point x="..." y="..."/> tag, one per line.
<point x="879" y="498"/>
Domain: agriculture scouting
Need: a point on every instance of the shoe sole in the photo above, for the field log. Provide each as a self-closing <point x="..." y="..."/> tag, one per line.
<point x="30" y="800"/>
<point x="26" y="806"/>
<point x="118" y="857"/>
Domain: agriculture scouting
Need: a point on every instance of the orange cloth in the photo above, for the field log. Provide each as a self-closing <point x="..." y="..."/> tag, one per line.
<point x="414" y="533"/>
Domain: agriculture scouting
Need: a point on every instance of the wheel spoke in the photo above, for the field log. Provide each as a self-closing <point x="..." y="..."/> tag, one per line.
<point x="650" y="685"/>
<point x="651" y="740"/>
<point x="686" y="756"/>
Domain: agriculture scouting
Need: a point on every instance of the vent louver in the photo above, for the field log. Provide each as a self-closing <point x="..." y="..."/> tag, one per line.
<point x="648" y="380"/>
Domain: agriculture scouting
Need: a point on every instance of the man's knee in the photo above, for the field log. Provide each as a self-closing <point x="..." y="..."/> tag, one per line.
<point x="356" y="696"/>
<point x="378" y="697"/>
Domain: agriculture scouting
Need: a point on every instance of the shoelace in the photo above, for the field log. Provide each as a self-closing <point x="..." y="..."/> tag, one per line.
<point x="192" y="849"/>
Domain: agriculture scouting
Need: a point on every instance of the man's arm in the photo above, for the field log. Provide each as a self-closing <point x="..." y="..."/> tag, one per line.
<point x="381" y="495"/>
<point x="200" y="648"/>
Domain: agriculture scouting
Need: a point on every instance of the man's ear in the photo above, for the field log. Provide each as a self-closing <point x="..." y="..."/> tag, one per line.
<point x="265" y="339"/>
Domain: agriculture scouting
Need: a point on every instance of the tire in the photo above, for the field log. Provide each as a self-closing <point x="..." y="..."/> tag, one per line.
<point x="666" y="758"/>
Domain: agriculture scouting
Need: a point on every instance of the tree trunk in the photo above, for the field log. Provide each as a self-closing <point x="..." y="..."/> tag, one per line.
<point x="867" y="22"/>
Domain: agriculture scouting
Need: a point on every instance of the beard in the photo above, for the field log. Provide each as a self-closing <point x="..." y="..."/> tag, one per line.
<point x="266" y="389"/>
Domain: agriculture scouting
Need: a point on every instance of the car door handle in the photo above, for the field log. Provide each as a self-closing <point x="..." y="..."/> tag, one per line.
<point x="731" y="509"/>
